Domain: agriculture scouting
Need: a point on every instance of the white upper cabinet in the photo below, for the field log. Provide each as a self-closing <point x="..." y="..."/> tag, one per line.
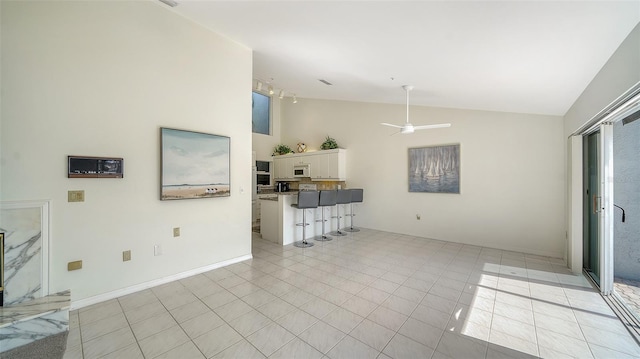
<point x="283" y="167"/>
<point x="326" y="165"/>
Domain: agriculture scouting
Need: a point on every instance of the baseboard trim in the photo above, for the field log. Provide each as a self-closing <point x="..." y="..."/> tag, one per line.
<point x="77" y="304"/>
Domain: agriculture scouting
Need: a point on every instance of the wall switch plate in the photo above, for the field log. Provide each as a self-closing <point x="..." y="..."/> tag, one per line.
<point x="176" y="232"/>
<point x="75" y="265"/>
<point x="126" y="256"/>
<point x="75" y="196"/>
<point x="157" y="250"/>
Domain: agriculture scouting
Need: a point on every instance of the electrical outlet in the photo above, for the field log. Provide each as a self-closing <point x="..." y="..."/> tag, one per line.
<point x="75" y="265"/>
<point x="75" y="196"/>
<point x="418" y="217"/>
<point x="157" y="250"/>
<point x="126" y="256"/>
<point x="176" y="232"/>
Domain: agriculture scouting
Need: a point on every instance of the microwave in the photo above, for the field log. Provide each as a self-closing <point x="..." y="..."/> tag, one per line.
<point x="302" y="170"/>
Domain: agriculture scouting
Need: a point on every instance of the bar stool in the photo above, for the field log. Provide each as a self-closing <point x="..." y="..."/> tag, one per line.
<point x="327" y="199"/>
<point x="344" y="197"/>
<point x="356" y="197"/>
<point x="306" y="199"/>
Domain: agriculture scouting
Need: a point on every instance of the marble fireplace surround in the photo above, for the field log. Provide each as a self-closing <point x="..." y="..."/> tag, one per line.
<point x="30" y="312"/>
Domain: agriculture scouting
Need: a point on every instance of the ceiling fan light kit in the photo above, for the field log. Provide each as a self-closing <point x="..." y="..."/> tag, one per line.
<point x="408" y="128"/>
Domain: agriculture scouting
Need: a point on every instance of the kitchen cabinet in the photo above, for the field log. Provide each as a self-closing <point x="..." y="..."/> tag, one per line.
<point x="326" y="165"/>
<point x="283" y="168"/>
<point x="329" y="166"/>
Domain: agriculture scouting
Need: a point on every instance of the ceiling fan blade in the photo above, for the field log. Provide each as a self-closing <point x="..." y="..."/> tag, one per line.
<point x="428" y="127"/>
<point x="389" y="124"/>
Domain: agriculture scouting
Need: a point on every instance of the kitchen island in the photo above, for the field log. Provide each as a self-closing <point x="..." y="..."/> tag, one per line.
<point x="278" y="219"/>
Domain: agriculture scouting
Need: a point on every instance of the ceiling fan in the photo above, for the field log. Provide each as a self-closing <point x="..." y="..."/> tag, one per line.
<point x="408" y="128"/>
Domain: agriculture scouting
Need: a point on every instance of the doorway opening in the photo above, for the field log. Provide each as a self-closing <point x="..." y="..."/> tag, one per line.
<point x="611" y="209"/>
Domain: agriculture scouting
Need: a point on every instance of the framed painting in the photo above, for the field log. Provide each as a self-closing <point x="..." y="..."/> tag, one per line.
<point x="194" y="165"/>
<point x="435" y="169"/>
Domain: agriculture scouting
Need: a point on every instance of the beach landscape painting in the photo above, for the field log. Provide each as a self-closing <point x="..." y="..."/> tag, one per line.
<point x="194" y="165"/>
<point x="435" y="169"/>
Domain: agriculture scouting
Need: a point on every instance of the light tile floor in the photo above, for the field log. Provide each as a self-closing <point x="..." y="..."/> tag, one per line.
<point x="371" y="294"/>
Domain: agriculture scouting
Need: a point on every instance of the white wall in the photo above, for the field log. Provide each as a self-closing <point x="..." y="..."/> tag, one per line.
<point x="512" y="174"/>
<point x="100" y="79"/>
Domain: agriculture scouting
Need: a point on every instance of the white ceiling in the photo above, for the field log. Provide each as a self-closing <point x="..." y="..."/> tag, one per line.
<point x="514" y="56"/>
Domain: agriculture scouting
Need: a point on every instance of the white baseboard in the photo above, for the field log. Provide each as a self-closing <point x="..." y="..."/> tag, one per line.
<point x="156" y="282"/>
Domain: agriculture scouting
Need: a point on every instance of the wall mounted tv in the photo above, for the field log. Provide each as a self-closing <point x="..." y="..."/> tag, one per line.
<point x="95" y="167"/>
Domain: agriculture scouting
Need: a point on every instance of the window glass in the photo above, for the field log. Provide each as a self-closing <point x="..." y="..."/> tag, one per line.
<point x="261" y="116"/>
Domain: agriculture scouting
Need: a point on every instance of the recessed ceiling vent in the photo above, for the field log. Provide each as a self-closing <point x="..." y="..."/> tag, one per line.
<point x="325" y="82"/>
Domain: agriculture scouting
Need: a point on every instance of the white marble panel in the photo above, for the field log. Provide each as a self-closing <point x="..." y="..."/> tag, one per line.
<point x="25" y="332"/>
<point x="25" y="225"/>
<point x="12" y="314"/>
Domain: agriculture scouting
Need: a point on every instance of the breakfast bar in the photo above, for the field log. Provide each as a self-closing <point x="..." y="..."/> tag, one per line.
<point x="278" y="219"/>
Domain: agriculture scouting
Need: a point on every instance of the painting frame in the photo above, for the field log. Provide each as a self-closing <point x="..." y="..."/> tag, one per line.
<point x="194" y="165"/>
<point x="434" y="169"/>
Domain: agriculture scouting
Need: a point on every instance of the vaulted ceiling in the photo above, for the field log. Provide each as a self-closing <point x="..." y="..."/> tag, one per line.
<point x="514" y="56"/>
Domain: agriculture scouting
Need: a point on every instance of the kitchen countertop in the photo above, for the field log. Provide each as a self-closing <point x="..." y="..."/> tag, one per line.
<point x="273" y="196"/>
<point x="288" y="193"/>
<point x="278" y="193"/>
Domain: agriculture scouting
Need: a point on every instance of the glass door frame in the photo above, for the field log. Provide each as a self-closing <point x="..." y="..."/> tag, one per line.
<point x="602" y="204"/>
<point x="630" y="104"/>
<point x="606" y="208"/>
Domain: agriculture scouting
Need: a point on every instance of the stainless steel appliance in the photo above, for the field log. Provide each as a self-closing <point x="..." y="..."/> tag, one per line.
<point x="282" y="187"/>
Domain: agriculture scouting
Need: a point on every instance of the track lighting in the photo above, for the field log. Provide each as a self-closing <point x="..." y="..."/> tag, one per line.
<point x="271" y="89"/>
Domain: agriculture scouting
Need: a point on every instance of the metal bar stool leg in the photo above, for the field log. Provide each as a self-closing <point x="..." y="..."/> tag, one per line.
<point x="351" y="228"/>
<point x="356" y="197"/>
<point x="306" y="199"/>
<point x="323" y="237"/>
<point x="344" y="197"/>
<point x="327" y="198"/>
<point x="303" y="243"/>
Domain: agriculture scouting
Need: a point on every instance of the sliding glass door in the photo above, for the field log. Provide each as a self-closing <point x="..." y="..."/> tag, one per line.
<point x="598" y="207"/>
<point x="591" y="245"/>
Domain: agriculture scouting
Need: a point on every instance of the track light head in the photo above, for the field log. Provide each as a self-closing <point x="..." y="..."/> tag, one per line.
<point x="281" y="94"/>
<point x="295" y="100"/>
<point x="259" y="85"/>
<point x="271" y="92"/>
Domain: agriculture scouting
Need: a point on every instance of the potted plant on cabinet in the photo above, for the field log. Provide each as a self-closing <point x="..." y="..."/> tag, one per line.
<point x="329" y="144"/>
<point x="282" y="150"/>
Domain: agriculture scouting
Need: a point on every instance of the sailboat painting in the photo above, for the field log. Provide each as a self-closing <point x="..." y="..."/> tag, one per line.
<point x="435" y="169"/>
